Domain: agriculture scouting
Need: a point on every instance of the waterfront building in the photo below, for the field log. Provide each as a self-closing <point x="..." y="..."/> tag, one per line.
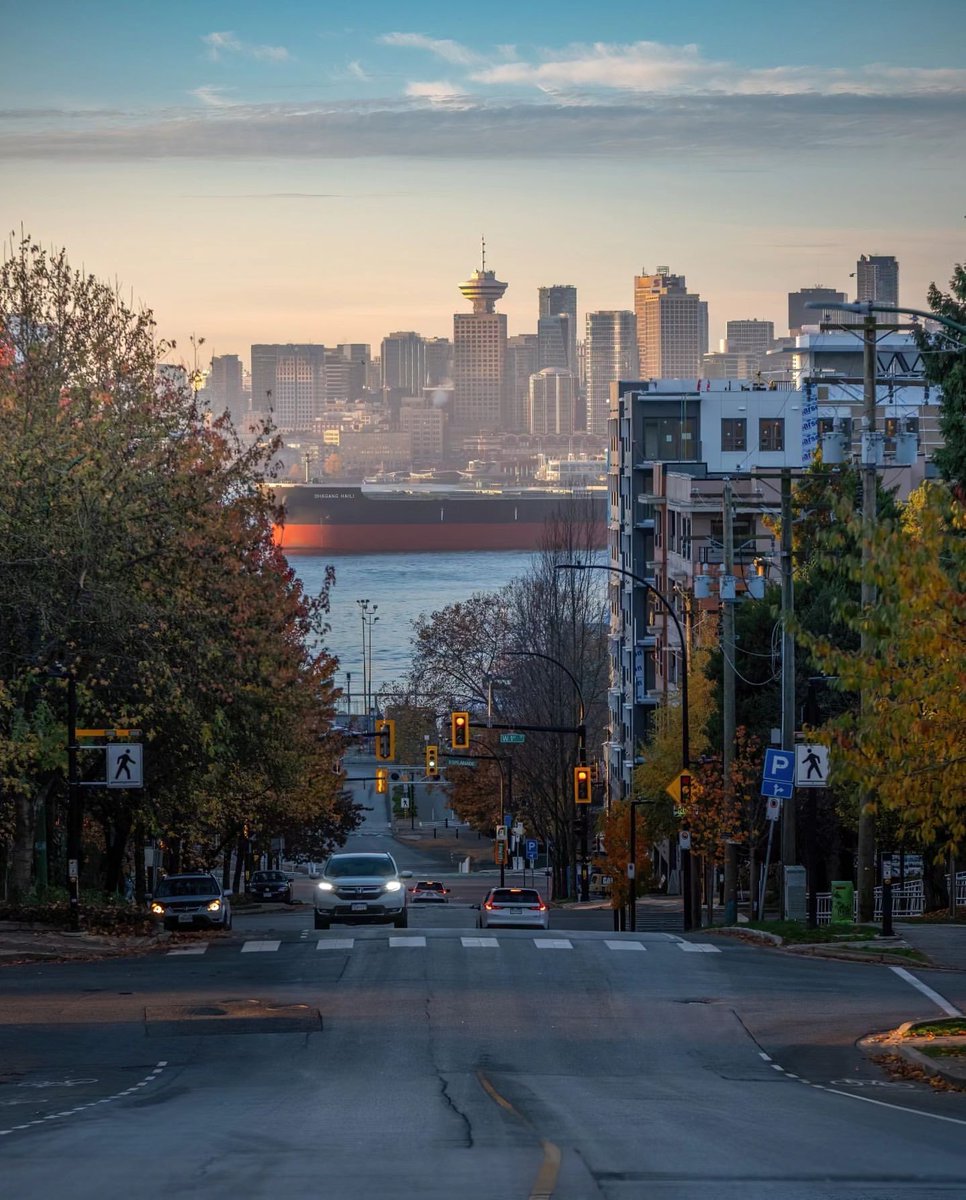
<point x="672" y="326"/>
<point x="403" y="362"/>
<point x="288" y="381"/>
<point x="553" y="398"/>
<point x="521" y="363"/>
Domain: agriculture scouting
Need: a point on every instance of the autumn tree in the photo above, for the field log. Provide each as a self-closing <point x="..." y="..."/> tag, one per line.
<point x="945" y="358"/>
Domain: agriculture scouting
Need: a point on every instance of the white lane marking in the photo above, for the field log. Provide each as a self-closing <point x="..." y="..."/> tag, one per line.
<point x="614" y="945"/>
<point x="553" y="944"/>
<point x="335" y="943"/>
<point x="479" y="941"/>
<point x="407" y="941"/>
<point x="698" y="947"/>
<point x="188" y="950"/>
<point x="265" y="947"/>
<point x="949" y="1009"/>
<point x="69" y="1112"/>
<point x="885" y="1104"/>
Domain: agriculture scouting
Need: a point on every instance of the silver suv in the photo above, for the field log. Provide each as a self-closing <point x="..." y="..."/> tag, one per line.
<point x="361" y="889"/>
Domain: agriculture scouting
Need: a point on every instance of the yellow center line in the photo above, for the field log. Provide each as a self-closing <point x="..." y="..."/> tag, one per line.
<point x="546" y="1180"/>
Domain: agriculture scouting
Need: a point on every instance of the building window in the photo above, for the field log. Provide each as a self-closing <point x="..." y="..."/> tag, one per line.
<point x="771" y="433"/>
<point x="734" y="433"/>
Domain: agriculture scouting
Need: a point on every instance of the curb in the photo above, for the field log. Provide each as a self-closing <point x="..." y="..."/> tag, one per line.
<point x="893" y="1043"/>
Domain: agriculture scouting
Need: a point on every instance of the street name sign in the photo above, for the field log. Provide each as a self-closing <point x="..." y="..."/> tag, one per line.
<point x="778" y="777"/>
<point x="460" y="762"/>
<point x="512" y="739"/>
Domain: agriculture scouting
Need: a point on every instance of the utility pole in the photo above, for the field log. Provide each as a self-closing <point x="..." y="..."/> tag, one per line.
<point x="788" y="852"/>
<point x="75" y="814"/>
<point x="865" y="867"/>
<point x="727" y="593"/>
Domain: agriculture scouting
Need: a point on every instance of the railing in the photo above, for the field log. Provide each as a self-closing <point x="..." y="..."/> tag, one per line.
<point x="907" y="901"/>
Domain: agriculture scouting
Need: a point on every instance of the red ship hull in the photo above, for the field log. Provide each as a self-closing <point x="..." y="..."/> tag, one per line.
<point x="371" y="539"/>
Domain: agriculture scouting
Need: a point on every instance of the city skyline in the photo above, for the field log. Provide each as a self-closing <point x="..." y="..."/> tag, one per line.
<point x="285" y="174"/>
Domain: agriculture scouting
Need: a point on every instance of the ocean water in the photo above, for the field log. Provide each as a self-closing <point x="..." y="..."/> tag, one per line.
<point x="399" y="587"/>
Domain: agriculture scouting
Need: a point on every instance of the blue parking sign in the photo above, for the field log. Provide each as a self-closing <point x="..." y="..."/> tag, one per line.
<point x="532" y="849"/>
<point x="778" y="777"/>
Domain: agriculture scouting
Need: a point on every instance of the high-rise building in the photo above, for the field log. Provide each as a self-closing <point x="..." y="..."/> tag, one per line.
<point x="750" y="336"/>
<point x="672" y="326"/>
<point x="224" y="386"/>
<point x="555" y="346"/>
<point x="560" y="299"/>
<point x="521" y="363"/>
<point x="479" y="356"/>
<point x="877" y="279"/>
<point x="799" y="316"/>
<point x="439" y="361"/>
<point x="610" y="352"/>
<point x="553" y="399"/>
<point x="289" y="382"/>
<point x="403" y="358"/>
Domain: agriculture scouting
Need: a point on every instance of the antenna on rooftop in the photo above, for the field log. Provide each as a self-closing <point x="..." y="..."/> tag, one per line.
<point x="483" y="245"/>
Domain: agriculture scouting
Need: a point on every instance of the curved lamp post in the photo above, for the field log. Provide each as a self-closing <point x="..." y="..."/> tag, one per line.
<point x="685" y="742"/>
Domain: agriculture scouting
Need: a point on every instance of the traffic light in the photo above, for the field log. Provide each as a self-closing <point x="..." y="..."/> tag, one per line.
<point x="382" y="779"/>
<point x="460" y="734"/>
<point x="432" y="762"/>
<point x="385" y="741"/>
<point x="581" y="785"/>
<point x="685" y="785"/>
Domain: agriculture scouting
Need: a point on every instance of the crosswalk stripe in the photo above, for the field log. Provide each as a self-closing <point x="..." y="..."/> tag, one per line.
<point x="335" y="943"/>
<point x="698" y="947"/>
<point x="553" y="944"/>
<point x="479" y="941"/>
<point x="260" y="947"/>
<point x="623" y="945"/>
<point x="189" y="950"/>
<point x="397" y="942"/>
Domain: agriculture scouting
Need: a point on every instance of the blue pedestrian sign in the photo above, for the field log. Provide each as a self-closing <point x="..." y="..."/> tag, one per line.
<point x="778" y="778"/>
<point x="532" y="849"/>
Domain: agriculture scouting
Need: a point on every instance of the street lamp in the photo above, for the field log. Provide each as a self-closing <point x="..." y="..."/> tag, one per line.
<point x="368" y="620"/>
<point x="685" y="742"/>
<point x="869" y="307"/>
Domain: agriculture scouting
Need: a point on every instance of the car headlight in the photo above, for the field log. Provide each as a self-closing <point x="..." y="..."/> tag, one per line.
<point x="158" y="908"/>
<point x="393" y="885"/>
<point x="214" y="906"/>
<point x="326" y="887"/>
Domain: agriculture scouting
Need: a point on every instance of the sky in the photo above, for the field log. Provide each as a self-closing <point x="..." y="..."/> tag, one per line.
<point x="321" y="171"/>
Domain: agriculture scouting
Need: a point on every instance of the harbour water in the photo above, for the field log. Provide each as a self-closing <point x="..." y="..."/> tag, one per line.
<point x="399" y="587"/>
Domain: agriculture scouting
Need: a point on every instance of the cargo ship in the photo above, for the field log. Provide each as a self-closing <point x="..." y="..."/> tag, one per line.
<point x="354" y="520"/>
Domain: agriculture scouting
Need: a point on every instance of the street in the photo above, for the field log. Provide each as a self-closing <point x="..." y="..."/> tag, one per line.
<point x="443" y="1061"/>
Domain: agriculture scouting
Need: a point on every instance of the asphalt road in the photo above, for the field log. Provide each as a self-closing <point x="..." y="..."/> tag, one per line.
<point x="441" y="1061"/>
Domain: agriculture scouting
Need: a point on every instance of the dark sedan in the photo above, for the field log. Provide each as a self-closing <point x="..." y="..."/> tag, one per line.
<point x="189" y="901"/>
<point x="271" y="885"/>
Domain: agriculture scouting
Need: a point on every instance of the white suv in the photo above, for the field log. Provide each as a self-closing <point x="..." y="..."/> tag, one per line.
<point x="361" y="889"/>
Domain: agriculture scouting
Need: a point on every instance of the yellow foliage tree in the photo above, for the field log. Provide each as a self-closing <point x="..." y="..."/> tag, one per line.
<point x="908" y="745"/>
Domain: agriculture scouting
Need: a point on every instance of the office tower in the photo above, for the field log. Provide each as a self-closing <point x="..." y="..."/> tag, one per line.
<point x="610" y="353"/>
<point x="553" y="399"/>
<point x="289" y="382"/>
<point x="224" y="386"/>
<point x="672" y="326"/>
<point x="877" y="278"/>
<point x="479" y="356"/>
<point x="403" y="359"/>
<point x="750" y="336"/>
<point x="799" y="316"/>
<point x="560" y="299"/>
<point x="555" y="346"/>
<point x="521" y="363"/>
<point x="439" y="361"/>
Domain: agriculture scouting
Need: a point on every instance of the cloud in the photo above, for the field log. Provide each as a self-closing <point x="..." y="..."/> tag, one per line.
<point x="441" y="93"/>
<point x="439" y="124"/>
<point x="222" y="44"/>
<point x="444" y="48"/>
<point x="212" y="96"/>
<point x="356" y="70"/>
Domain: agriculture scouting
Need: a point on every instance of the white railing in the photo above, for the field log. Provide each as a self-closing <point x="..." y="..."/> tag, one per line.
<point x="907" y="901"/>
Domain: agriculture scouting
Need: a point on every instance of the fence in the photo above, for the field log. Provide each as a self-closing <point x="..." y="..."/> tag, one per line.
<point x="907" y="901"/>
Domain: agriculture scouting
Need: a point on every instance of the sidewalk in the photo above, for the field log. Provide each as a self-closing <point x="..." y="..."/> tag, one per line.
<point x="22" y="943"/>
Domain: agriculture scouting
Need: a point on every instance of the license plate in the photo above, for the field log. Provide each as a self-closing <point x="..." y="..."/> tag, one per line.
<point x="359" y="907"/>
<point x="185" y="918"/>
<point x="511" y="910"/>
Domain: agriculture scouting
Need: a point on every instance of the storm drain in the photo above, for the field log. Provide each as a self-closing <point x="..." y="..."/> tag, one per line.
<point x="230" y="1016"/>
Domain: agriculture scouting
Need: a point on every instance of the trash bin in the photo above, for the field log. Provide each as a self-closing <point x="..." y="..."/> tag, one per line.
<point x="843" y="902"/>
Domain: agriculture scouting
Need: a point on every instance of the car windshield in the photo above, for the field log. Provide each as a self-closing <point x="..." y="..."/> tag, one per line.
<point x="515" y="896"/>
<point x="268" y="877"/>
<point x="361" y="864"/>
<point x="195" y="886"/>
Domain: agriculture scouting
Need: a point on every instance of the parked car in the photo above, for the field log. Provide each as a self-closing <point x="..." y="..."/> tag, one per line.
<point x="271" y="885"/>
<point x="361" y="889"/>
<point x="190" y="901"/>
<point x="509" y="906"/>
<point x="429" y="891"/>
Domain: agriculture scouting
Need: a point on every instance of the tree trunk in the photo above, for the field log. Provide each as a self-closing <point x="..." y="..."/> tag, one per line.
<point x="935" y="892"/>
<point x="239" y="863"/>
<point x="22" y="845"/>
<point x="140" y="874"/>
<point x="117" y="832"/>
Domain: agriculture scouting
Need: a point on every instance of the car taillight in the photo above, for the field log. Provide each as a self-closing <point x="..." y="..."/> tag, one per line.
<point x="541" y="907"/>
<point x="489" y="907"/>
